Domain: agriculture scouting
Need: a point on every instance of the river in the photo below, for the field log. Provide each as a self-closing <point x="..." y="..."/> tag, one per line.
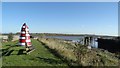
<point x="75" y="39"/>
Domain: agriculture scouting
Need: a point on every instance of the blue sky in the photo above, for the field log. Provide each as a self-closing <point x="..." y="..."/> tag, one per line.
<point x="0" y="17"/>
<point x="119" y="20"/>
<point x="61" y="17"/>
<point x="59" y="0"/>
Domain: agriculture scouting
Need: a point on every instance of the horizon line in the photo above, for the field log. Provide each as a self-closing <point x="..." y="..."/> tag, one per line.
<point x="63" y="33"/>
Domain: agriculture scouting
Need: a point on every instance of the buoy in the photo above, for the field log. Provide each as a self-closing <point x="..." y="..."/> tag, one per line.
<point x="25" y="38"/>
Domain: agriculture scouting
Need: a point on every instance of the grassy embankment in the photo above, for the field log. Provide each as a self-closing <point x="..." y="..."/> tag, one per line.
<point x="55" y="52"/>
<point x="15" y="56"/>
<point x="79" y="54"/>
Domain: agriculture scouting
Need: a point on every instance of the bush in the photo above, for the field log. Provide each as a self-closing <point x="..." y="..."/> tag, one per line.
<point x="10" y="37"/>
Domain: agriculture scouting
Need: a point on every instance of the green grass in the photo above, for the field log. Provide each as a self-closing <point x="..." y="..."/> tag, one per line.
<point x="46" y="51"/>
<point x="39" y="57"/>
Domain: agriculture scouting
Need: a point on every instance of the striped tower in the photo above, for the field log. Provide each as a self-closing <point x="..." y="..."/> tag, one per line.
<point x="24" y="36"/>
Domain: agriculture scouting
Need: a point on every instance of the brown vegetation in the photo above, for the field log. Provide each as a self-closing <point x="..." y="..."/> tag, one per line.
<point x="80" y="54"/>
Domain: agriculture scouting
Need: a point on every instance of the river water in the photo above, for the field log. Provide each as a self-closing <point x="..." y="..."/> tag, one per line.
<point x="94" y="43"/>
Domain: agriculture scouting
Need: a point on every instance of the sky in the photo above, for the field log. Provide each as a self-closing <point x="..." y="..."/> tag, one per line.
<point x="60" y="0"/>
<point x="99" y="18"/>
<point x="0" y="17"/>
<point x="119" y="19"/>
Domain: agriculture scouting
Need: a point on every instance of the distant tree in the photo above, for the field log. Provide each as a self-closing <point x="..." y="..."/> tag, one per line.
<point x="10" y="37"/>
<point x="17" y="33"/>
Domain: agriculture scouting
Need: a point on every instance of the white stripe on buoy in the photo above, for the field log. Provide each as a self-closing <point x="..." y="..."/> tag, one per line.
<point x="22" y="37"/>
<point x="23" y="27"/>
<point x="28" y="40"/>
<point x="23" y="32"/>
<point x="21" y="43"/>
<point x="27" y="29"/>
<point x="27" y="35"/>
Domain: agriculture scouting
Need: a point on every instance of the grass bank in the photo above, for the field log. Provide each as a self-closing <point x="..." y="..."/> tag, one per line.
<point x="79" y="54"/>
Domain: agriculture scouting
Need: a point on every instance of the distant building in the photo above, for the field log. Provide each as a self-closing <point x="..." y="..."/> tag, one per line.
<point x="4" y="38"/>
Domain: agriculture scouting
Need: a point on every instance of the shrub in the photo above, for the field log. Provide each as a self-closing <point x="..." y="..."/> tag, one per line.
<point x="10" y="37"/>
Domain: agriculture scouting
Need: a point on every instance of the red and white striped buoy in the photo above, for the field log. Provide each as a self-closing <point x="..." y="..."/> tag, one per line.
<point x="25" y="36"/>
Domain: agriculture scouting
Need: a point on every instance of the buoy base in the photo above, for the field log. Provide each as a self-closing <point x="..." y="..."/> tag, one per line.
<point x="29" y="49"/>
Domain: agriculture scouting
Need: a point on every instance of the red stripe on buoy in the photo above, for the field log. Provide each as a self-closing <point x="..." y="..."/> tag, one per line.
<point x="22" y="40"/>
